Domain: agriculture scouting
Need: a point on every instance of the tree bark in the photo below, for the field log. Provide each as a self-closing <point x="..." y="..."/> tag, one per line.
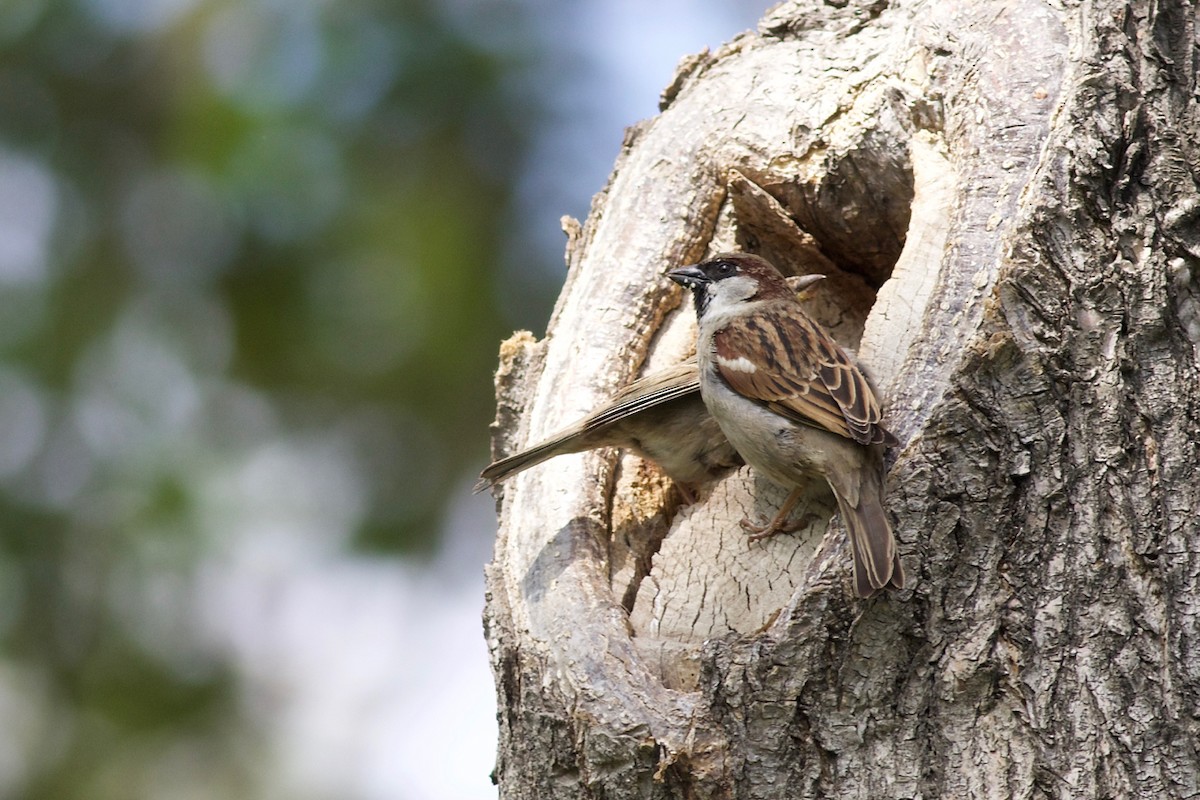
<point x="1006" y="195"/>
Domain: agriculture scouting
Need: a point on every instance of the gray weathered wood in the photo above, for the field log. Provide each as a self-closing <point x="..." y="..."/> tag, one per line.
<point x="1019" y="182"/>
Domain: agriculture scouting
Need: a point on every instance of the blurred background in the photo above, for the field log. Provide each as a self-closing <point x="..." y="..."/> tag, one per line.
<point x="256" y="258"/>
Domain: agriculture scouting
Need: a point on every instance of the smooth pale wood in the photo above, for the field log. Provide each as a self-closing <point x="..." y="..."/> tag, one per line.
<point x="1024" y="173"/>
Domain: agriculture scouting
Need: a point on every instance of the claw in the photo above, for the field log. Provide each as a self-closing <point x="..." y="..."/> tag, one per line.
<point x="765" y="529"/>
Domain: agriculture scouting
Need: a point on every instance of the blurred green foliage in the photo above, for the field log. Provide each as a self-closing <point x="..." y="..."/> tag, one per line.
<point x="236" y="231"/>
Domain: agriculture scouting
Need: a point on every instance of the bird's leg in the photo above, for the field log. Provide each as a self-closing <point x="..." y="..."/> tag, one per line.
<point x="686" y="492"/>
<point x="779" y="523"/>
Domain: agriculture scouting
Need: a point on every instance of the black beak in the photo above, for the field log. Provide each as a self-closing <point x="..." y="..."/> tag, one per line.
<point x="689" y="277"/>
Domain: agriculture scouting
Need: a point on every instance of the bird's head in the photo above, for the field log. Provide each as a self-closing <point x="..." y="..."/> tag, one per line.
<point x="728" y="280"/>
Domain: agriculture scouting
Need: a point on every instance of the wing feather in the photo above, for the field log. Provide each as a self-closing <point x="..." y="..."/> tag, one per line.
<point x="786" y="362"/>
<point x="652" y="390"/>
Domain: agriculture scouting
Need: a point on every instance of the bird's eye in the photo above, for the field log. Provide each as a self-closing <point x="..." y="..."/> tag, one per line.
<point x="724" y="268"/>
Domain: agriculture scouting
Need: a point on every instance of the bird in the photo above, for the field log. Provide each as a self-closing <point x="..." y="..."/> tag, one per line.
<point x="793" y="404"/>
<point x="660" y="417"/>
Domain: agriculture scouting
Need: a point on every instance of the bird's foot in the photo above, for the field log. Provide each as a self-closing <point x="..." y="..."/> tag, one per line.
<point x="779" y="523"/>
<point x="765" y="529"/>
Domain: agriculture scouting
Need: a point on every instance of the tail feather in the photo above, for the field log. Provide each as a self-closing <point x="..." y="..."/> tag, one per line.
<point x="876" y="559"/>
<point x="505" y="468"/>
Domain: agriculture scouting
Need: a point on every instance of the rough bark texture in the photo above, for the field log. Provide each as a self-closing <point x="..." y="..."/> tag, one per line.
<point x="1018" y="182"/>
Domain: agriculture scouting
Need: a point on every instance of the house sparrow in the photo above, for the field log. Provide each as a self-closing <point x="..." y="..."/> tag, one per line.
<point x="792" y="403"/>
<point x="661" y="417"/>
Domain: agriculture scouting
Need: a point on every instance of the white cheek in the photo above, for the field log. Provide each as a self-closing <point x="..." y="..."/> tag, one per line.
<point x="726" y="296"/>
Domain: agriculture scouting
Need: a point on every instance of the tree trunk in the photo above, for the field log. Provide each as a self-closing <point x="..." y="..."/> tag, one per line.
<point x="1010" y="190"/>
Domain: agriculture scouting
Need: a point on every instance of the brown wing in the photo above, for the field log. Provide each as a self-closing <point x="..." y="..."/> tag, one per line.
<point x="808" y="378"/>
<point x="652" y="390"/>
<point x="597" y="428"/>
